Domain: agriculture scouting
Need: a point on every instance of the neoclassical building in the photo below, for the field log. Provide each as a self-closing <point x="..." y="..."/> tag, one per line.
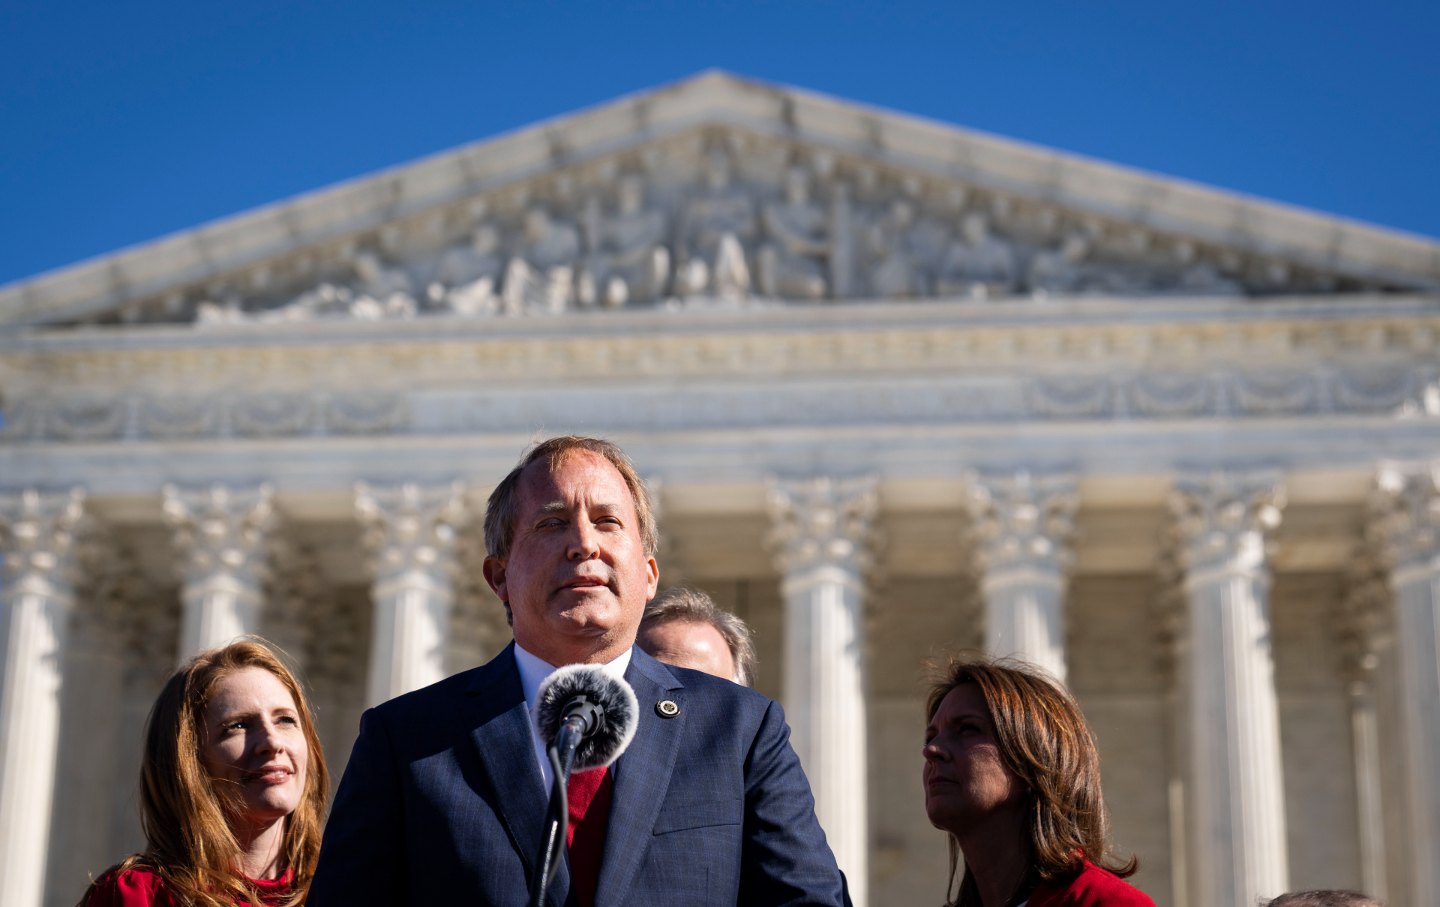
<point x="899" y="389"/>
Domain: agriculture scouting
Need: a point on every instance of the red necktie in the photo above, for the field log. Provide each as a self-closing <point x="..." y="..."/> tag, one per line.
<point x="589" y="793"/>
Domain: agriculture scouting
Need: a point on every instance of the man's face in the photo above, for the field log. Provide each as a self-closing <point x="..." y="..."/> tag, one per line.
<point x="577" y="577"/>
<point x="689" y="644"/>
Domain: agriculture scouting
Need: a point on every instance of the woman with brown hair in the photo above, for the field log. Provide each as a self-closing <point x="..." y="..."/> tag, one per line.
<point x="1013" y="776"/>
<point x="232" y="789"/>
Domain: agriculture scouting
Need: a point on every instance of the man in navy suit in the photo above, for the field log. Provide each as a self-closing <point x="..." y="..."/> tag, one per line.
<point x="444" y="796"/>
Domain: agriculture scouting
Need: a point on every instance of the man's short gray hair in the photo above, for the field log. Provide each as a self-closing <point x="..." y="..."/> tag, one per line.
<point x="682" y="603"/>
<point x="1325" y="898"/>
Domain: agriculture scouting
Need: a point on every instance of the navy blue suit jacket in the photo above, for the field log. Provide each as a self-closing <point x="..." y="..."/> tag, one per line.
<point x="442" y="801"/>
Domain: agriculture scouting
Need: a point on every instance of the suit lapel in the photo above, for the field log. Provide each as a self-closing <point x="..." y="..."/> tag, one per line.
<point x="642" y="776"/>
<point x="504" y="745"/>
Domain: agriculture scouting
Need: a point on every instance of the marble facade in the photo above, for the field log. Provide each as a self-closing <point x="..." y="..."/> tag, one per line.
<point x="900" y="388"/>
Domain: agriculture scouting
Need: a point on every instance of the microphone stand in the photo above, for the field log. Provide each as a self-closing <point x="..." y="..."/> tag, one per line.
<point x="557" y="815"/>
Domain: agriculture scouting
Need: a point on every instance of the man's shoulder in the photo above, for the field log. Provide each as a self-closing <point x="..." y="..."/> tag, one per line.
<point x="699" y="683"/>
<point x="709" y="697"/>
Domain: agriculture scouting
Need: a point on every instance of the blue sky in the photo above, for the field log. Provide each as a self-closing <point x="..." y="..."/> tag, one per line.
<point x="122" y="122"/>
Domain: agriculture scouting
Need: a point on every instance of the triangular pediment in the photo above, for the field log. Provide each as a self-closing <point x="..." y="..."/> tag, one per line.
<point x="724" y="191"/>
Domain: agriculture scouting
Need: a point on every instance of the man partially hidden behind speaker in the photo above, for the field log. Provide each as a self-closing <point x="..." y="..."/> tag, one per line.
<point x="445" y="793"/>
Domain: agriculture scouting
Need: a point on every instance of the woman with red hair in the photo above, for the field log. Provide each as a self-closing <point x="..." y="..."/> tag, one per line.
<point x="232" y="790"/>
<point x="1013" y="777"/>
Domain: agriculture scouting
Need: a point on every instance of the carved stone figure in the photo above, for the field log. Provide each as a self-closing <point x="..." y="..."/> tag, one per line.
<point x="978" y="264"/>
<point x="630" y="260"/>
<point x="542" y="276"/>
<point x="551" y="243"/>
<point x="368" y="308"/>
<point x="227" y="312"/>
<point x="717" y="225"/>
<point x="793" y="262"/>
<point x="378" y="280"/>
<point x="1061" y="269"/>
<point x="901" y="251"/>
<point x="479" y="257"/>
<point x="473" y="299"/>
<point x="732" y="274"/>
<point x="383" y="292"/>
<point x="325" y="299"/>
<point x="843" y="235"/>
<point x="1201" y="276"/>
<point x="466" y="278"/>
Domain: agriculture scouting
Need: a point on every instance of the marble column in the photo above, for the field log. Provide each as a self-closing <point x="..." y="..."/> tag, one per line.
<point x="221" y="535"/>
<point x="100" y="649"/>
<point x="410" y="532"/>
<point x="1236" y="807"/>
<point x="1171" y="612"/>
<point x="38" y="534"/>
<point x="1364" y="634"/>
<point x="1405" y="519"/>
<point x="1023" y="525"/>
<point x="822" y="532"/>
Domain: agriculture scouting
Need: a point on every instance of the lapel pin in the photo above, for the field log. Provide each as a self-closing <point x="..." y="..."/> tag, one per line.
<point x="667" y="708"/>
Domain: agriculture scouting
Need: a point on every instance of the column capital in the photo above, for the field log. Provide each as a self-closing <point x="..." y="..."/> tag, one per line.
<point x="1403" y="516"/>
<point x="40" y="532"/>
<point x="823" y="522"/>
<point x="1022" y="520"/>
<point x="1222" y="519"/>
<point x="221" y="532"/>
<point x="411" y="528"/>
<point x="411" y="531"/>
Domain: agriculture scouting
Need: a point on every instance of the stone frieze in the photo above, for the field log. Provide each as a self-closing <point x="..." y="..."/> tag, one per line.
<point x="1172" y="395"/>
<point x="1076" y="396"/>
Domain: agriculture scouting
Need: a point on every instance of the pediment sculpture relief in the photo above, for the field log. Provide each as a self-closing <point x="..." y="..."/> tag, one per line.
<point x="630" y="258"/>
<point x="775" y="224"/>
<point x="719" y="223"/>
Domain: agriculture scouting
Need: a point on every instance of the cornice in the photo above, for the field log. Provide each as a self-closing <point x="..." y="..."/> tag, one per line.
<point x="865" y="339"/>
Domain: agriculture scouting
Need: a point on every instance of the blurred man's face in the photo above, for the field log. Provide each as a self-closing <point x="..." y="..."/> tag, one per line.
<point x="689" y="644"/>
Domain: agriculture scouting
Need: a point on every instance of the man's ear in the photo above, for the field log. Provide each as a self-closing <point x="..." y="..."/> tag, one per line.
<point x="494" y="570"/>
<point x="652" y="568"/>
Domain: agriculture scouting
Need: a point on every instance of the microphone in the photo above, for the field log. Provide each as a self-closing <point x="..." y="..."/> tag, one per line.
<point x="586" y="718"/>
<point x="584" y="707"/>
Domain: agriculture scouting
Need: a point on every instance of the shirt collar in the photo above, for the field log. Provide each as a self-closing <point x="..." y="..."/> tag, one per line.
<point x="534" y="670"/>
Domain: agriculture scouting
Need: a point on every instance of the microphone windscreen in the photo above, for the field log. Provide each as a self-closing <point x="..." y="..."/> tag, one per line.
<point x="616" y="701"/>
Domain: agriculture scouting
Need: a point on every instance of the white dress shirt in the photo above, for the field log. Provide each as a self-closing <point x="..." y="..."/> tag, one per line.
<point x="533" y="671"/>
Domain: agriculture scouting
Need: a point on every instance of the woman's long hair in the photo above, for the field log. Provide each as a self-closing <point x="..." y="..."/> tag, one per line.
<point x="1044" y="740"/>
<point x="190" y="843"/>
